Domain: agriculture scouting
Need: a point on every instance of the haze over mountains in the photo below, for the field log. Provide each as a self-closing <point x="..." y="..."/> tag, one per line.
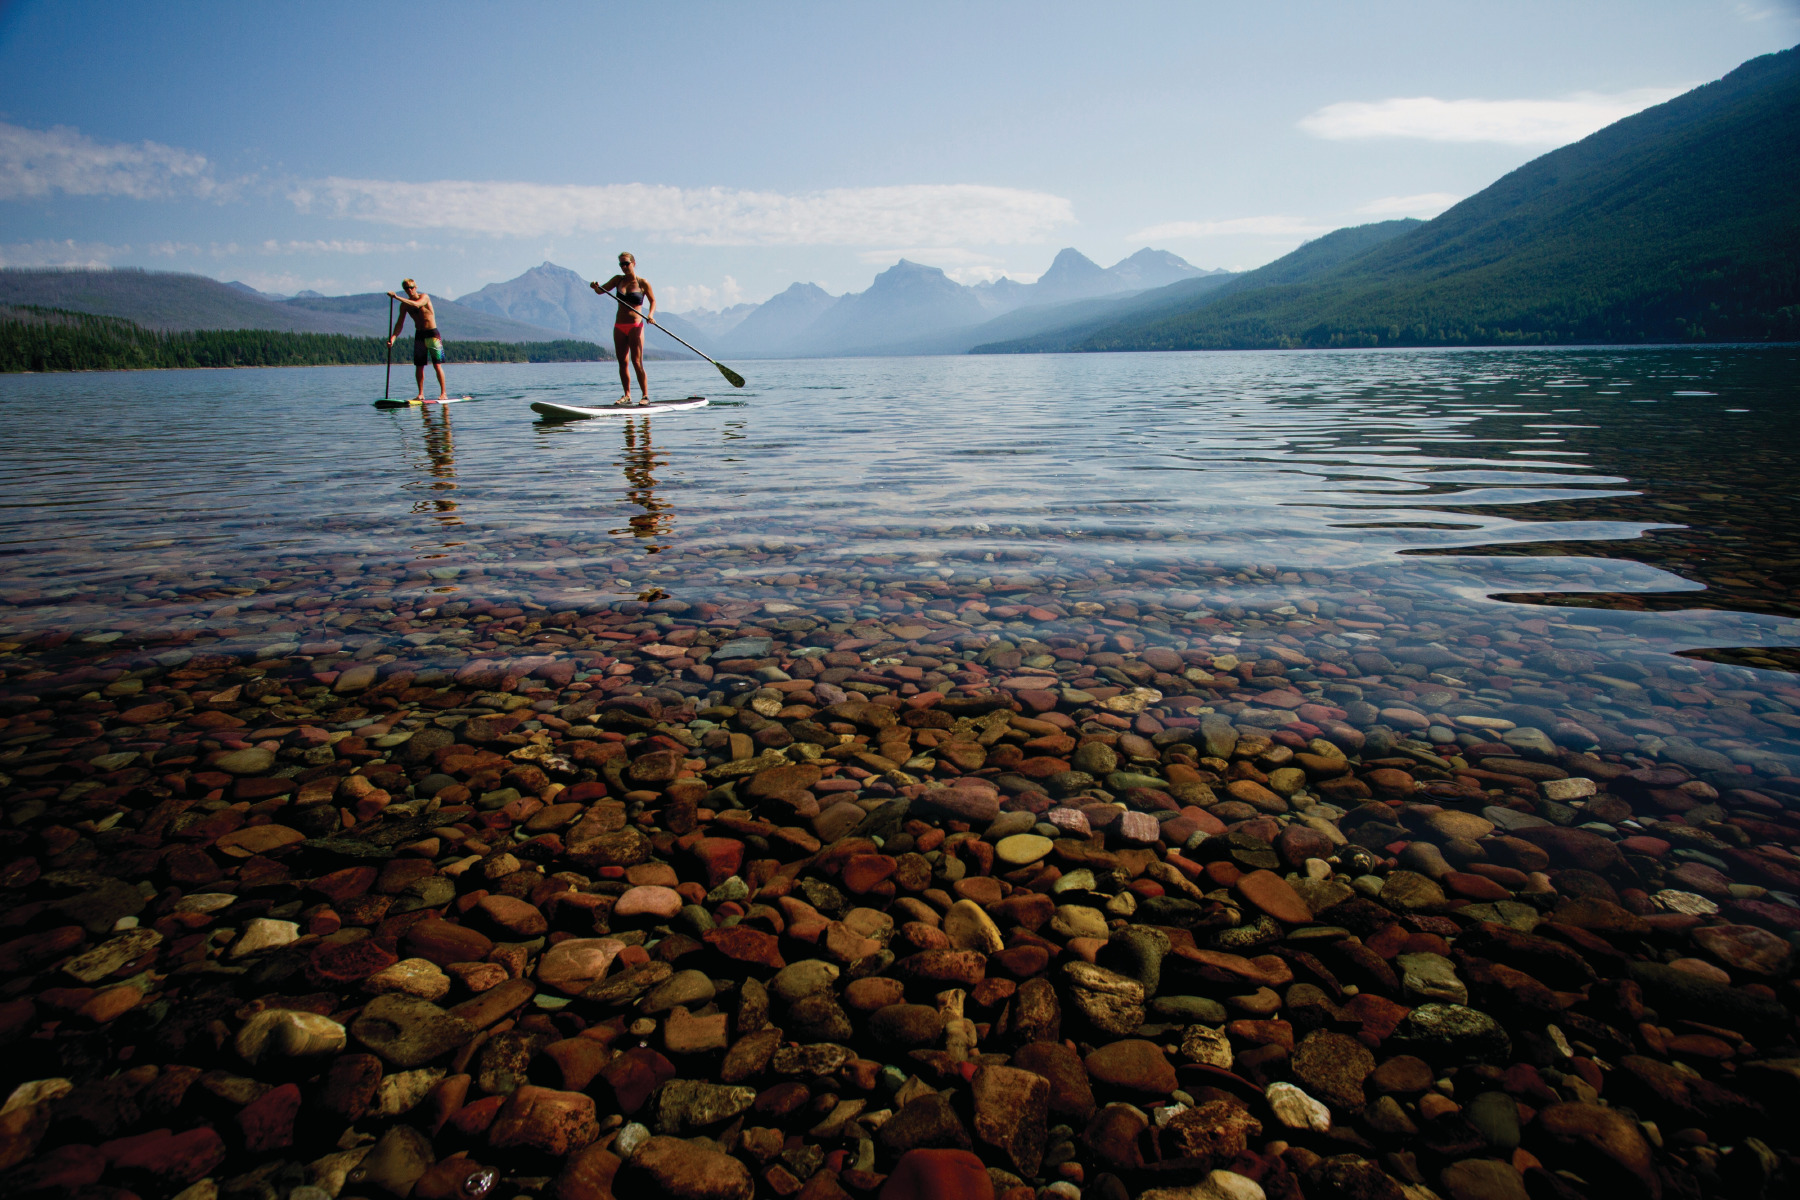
<point x="909" y="308"/>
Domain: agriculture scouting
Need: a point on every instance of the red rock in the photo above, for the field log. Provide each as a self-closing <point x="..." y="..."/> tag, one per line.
<point x="339" y="964"/>
<point x="1273" y="895"/>
<point x="938" y="1175"/>
<point x="720" y="858"/>
<point x="544" y="1119"/>
<point x="863" y="871"/>
<point x="1747" y="948"/>
<point x="257" y="839"/>
<point x="1473" y="887"/>
<point x="267" y="1123"/>
<point x="634" y="1075"/>
<point x="578" y="1061"/>
<point x="1131" y="1065"/>
<point x="965" y="968"/>
<point x="512" y="917"/>
<point x="587" y="1175"/>
<point x="572" y="965"/>
<point x="342" y="886"/>
<point x="179" y="1158"/>
<point x="443" y="943"/>
<point x="661" y="903"/>
<point x="746" y="946"/>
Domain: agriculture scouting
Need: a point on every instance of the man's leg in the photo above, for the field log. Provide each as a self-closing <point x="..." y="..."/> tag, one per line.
<point x="443" y="394"/>
<point x="419" y="378"/>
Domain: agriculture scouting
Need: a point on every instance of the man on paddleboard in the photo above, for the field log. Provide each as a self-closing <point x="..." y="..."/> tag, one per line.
<point x="632" y="292"/>
<point x="428" y="344"/>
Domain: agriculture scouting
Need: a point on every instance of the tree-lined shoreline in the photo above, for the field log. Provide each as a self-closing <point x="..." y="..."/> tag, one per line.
<point x="37" y="339"/>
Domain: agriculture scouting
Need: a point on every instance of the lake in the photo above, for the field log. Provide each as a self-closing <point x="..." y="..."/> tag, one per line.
<point x="1637" y="501"/>
<point x="1602" y="534"/>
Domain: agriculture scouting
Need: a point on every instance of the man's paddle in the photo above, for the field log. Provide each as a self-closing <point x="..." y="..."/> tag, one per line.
<point x="731" y="376"/>
<point x="390" y="350"/>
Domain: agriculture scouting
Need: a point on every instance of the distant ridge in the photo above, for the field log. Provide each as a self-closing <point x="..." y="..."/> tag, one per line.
<point x="1680" y="223"/>
<point x="171" y="301"/>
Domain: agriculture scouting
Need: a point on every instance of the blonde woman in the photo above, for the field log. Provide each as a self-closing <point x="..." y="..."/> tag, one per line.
<point x="635" y="297"/>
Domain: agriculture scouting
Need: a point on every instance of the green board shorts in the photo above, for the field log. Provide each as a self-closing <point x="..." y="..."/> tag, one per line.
<point x="428" y="347"/>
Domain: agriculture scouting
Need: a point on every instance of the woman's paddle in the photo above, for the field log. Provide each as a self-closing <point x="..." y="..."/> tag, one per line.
<point x="390" y="350"/>
<point x="731" y="376"/>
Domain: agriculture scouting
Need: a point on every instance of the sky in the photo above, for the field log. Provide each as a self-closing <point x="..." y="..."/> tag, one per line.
<point x="737" y="148"/>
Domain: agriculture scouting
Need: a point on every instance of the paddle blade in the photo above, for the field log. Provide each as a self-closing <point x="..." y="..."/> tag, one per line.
<point x="731" y="376"/>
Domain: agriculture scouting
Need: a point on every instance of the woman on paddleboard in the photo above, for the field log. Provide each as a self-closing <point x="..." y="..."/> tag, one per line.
<point x="637" y="304"/>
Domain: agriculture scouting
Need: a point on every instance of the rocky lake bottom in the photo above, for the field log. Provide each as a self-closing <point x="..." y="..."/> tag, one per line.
<point x="1319" y="776"/>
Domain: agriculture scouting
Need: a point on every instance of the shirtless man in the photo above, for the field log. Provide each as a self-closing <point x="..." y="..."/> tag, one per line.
<point x="632" y="291"/>
<point x="428" y="344"/>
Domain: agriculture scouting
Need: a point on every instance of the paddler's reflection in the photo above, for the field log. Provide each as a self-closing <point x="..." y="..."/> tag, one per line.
<point x="640" y="461"/>
<point x="440" y="449"/>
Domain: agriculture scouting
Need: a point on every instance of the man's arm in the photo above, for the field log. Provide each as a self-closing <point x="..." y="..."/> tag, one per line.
<point x="399" y="324"/>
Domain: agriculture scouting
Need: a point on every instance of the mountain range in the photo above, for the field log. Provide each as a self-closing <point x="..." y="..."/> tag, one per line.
<point x="167" y="300"/>
<point x="909" y="308"/>
<point x="1680" y="223"/>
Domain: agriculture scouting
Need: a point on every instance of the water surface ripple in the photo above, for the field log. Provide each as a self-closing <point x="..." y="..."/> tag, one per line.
<point x="275" y="513"/>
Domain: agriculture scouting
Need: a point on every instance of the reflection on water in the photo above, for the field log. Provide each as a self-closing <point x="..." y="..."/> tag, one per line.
<point x="640" y="460"/>
<point x="1176" y="498"/>
<point x="440" y="454"/>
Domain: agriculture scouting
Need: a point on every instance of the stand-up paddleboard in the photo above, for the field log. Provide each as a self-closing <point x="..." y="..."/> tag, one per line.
<point x="570" y="412"/>
<point x="419" y="403"/>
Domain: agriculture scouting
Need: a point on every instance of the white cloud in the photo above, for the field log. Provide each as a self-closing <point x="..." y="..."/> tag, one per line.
<point x="917" y="214"/>
<point x="686" y="297"/>
<point x="37" y="162"/>
<point x="1425" y="204"/>
<point x="341" y="246"/>
<point x="1514" y="122"/>
<point x="65" y="253"/>
<point x="1269" y="226"/>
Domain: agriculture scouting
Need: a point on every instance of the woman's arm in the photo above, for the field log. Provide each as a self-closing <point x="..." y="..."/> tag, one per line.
<point x="600" y="289"/>
<point x="650" y="294"/>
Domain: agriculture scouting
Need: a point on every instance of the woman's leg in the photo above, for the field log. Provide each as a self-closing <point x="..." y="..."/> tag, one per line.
<point x="622" y="352"/>
<point x="637" y="361"/>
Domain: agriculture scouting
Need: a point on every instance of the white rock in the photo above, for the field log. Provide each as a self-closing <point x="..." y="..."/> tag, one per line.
<point x="1297" y="1110"/>
<point x="630" y="1139"/>
<point x="413" y="976"/>
<point x="264" y="933"/>
<point x="400" y="1093"/>
<point x="204" y="902"/>
<point x="37" y="1091"/>
<point x="1219" y="1185"/>
<point x="1203" y="1044"/>
<point x="286" y="1033"/>
<point x="109" y="956"/>
<point x="1565" y="790"/>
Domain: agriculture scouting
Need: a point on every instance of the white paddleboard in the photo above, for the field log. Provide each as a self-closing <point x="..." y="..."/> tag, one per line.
<point x="567" y="412"/>
<point x="419" y="403"/>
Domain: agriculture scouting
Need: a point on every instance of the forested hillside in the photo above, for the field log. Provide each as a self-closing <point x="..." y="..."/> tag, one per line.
<point x="46" y="339"/>
<point x="1681" y="223"/>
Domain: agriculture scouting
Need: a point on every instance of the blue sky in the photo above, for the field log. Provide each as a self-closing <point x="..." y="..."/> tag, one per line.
<point x="739" y="147"/>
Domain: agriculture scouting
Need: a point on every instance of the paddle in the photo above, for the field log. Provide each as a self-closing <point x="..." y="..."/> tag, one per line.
<point x="731" y="376"/>
<point x="390" y="351"/>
